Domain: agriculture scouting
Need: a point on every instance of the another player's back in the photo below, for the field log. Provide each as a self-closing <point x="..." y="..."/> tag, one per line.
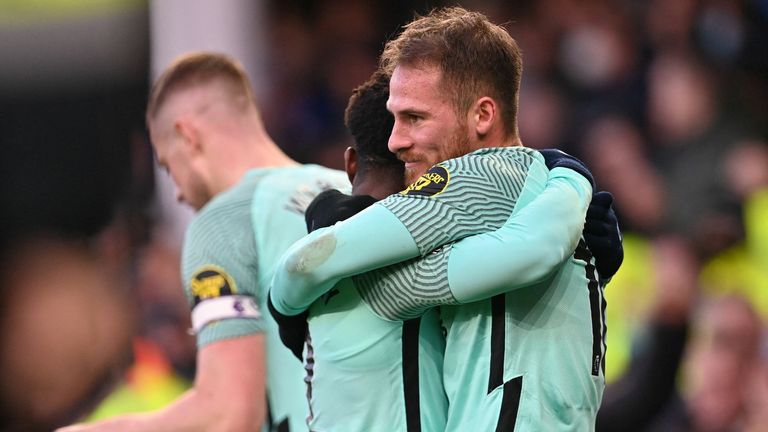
<point x="237" y="238"/>
<point x="279" y="198"/>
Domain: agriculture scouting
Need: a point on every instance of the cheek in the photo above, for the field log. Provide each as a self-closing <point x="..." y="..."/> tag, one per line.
<point x="179" y="173"/>
<point x="428" y="139"/>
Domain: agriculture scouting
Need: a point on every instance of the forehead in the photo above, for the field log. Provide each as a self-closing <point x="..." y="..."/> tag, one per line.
<point x="413" y="87"/>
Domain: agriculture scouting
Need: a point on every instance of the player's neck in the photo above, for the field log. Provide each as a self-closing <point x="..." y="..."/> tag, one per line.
<point x="376" y="185"/>
<point x="230" y="170"/>
<point x="266" y="154"/>
<point x="496" y="137"/>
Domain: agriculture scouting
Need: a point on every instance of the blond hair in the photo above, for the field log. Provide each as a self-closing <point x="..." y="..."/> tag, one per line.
<point x="197" y="69"/>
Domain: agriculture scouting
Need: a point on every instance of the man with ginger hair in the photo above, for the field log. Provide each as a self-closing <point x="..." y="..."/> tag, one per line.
<point x="538" y="352"/>
<point x="528" y="358"/>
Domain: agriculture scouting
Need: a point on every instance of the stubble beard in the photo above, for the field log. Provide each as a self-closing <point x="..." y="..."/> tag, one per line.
<point x="458" y="145"/>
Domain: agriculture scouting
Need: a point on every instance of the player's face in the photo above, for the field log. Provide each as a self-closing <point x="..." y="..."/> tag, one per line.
<point x="427" y="129"/>
<point x="174" y="156"/>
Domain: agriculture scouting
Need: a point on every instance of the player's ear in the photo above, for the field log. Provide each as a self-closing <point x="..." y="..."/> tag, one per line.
<point x="350" y="163"/>
<point x="189" y="133"/>
<point x="483" y="114"/>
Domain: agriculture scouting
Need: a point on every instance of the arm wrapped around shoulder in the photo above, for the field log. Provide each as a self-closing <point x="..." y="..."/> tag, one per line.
<point x="554" y="158"/>
<point x="315" y="263"/>
<point x="531" y="244"/>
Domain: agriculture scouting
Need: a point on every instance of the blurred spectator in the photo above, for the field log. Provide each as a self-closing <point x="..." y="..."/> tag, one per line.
<point x="148" y="384"/>
<point x="326" y="49"/>
<point x="66" y="327"/>
<point x="542" y="123"/>
<point x="164" y="352"/>
<point x="743" y="268"/>
<point x="722" y="367"/>
<point x="669" y="25"/>
<point x="654" y="367"/>
<point x="746" y="168"/>
<point x="617" y="153"/>
<point x="692" y="136"/>
<point x="163" y="307"/>
<point x="756" y="416"/>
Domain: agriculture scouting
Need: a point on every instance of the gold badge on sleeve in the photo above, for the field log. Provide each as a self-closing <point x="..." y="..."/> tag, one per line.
<point x="211" y="282"/>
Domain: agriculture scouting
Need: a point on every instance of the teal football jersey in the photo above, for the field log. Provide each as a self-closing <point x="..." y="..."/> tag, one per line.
<point x="229" y="255"/>
<point x="536" y="351"/>
<point x="514" y="226"/>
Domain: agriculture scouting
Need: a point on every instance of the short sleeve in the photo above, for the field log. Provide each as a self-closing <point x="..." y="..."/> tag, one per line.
<point x="218" y="266"/>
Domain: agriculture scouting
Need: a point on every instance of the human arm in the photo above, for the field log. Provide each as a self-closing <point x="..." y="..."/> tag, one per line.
<point x="326" y="209"/>
<point x="530" y="245"/>
<point x="431" y="212"/>
<point x="314" y="264"/>
<point x="481" y="266"/>
<point x="541" y="235"/>
<point x="227" y="394"/>
<point x="453" y="200"/>
<point x="220" y="281"/>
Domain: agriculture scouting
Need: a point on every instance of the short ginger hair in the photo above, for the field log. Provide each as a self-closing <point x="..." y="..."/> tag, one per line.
<point x="200" y="68"/>
<point x="475" y="57"/>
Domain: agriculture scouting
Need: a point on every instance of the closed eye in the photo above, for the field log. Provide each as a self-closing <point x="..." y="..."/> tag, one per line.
<point x="413" y="118"/>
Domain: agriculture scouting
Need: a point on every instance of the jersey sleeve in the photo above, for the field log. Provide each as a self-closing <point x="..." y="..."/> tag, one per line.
<point x="312" y="266"/>
<point x="220" y="274"/>
<point x="461" y="197"/>
<point x="529" y="246"/>
<point x="458" y="198"/>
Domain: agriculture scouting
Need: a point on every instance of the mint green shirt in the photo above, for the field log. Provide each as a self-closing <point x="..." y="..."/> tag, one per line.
<point x="476" y="207"/>
<point x="230" y="250"/>
<point x="492" y="190"/>
<point x="367" y="373"/>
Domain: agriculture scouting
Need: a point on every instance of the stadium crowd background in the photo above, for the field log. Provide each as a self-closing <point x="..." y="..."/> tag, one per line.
<point x="667" y="102"/>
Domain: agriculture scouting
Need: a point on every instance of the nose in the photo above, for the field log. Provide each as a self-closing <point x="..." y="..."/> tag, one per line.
<point x="397" y="139"/>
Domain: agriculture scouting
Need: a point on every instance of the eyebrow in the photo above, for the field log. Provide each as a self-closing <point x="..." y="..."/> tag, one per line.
<point x="407" y="110"/>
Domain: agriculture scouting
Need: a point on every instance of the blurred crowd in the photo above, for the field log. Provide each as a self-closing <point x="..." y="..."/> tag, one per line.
<point x="666" y="101"/>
